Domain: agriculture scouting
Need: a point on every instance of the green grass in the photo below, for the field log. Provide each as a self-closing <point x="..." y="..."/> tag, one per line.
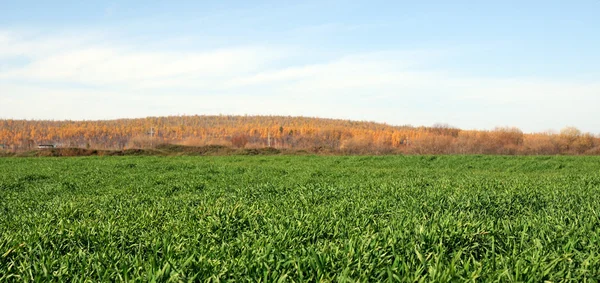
<point x="300" y="218"/>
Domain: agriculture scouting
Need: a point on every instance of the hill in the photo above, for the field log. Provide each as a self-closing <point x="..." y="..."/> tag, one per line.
<point x="316" y="135"/>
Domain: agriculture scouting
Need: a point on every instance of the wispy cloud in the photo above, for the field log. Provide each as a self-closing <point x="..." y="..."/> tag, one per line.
<point x="66" y="76"/>
<point x="98" y="63"/>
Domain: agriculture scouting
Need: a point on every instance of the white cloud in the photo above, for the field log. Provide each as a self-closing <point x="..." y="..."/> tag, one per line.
<point x="98" y="77"/>
<point x="132" y="66"/>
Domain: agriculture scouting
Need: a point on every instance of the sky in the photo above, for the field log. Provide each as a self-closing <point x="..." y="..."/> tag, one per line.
<point x="529" y="64"/>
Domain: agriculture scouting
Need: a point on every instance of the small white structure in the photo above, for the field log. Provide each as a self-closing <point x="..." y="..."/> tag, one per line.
<point x="43" y="146"/>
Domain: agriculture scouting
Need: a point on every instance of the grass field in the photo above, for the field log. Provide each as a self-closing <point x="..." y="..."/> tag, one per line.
<point x="300" y="218"/>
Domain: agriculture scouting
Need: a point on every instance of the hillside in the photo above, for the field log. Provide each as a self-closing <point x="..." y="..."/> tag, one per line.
<point x="316" y="135"/>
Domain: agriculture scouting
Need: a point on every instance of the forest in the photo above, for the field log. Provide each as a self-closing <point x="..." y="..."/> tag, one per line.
<point x="315" y="135"/>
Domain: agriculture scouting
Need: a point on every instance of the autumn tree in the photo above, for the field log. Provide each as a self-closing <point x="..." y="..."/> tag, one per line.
<point x="323" y="135"/>
<point x="568" y="137"/>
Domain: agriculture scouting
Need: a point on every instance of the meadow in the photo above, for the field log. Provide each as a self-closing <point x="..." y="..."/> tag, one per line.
<point x="300" y="218"/>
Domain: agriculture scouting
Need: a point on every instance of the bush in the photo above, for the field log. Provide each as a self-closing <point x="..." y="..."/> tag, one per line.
<point x="239" y="140"/>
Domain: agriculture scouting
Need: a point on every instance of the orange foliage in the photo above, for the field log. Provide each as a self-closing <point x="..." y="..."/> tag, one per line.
<point x="318" y="135"/>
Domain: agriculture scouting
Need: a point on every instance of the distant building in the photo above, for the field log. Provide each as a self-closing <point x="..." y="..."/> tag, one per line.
<point x="42" y="146"/>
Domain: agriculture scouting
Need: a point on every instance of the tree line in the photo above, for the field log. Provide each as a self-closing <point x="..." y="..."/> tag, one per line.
<point x="299" y="133"/>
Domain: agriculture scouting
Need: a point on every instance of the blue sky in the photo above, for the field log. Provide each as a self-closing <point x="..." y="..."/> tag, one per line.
<point x="472" y="64"/>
